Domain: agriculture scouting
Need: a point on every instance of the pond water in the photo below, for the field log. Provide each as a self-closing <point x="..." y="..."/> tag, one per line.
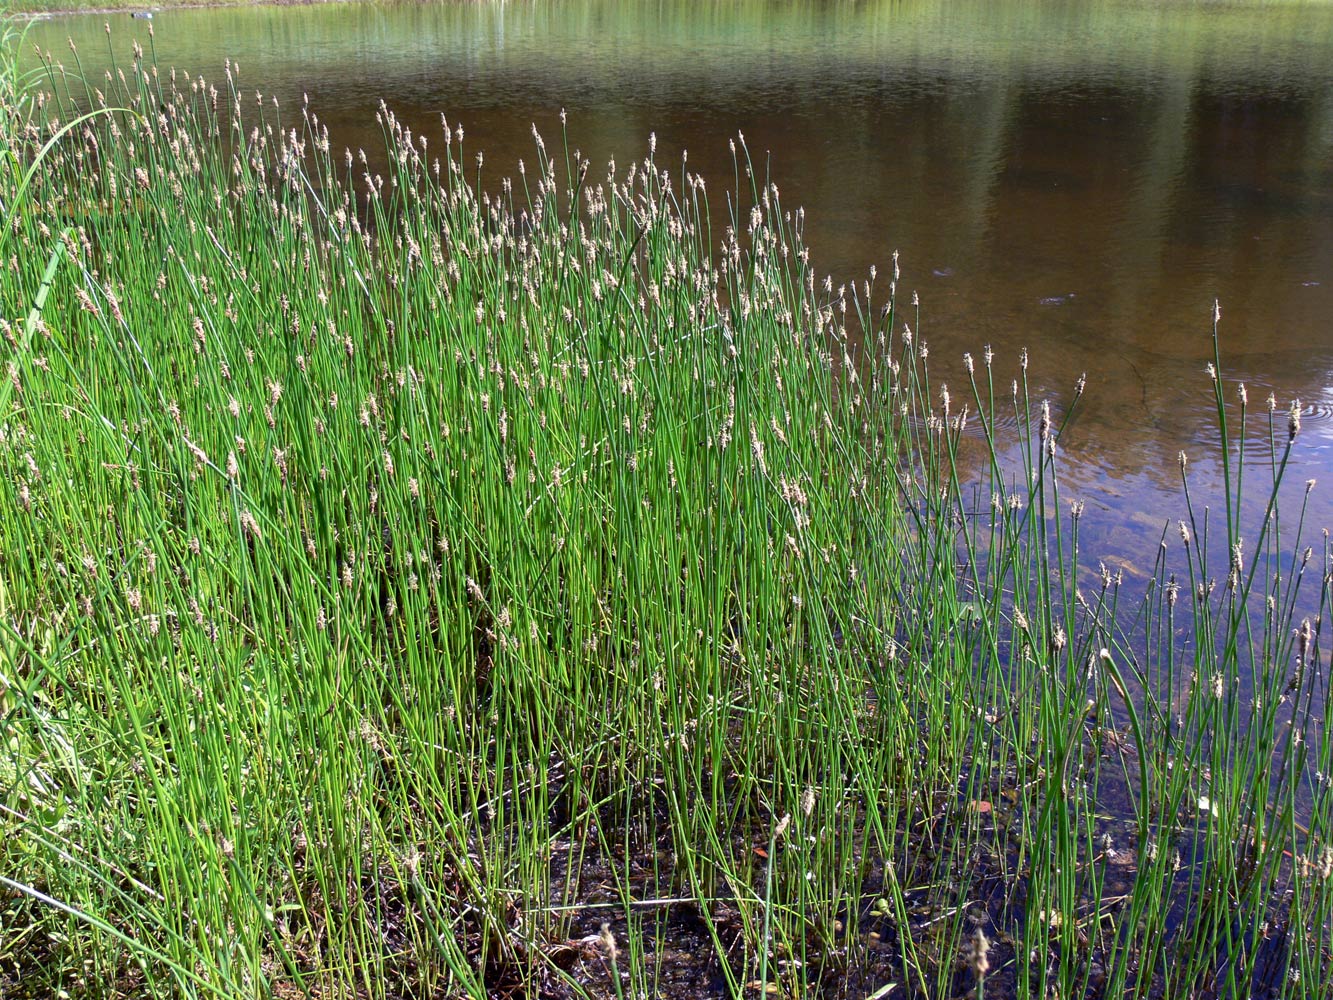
<point x="1079" y="177"/>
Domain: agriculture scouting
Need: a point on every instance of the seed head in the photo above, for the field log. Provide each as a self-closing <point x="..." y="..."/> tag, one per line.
<point x="980" y="954"/>
<point x="607" y="940"/>
<point x="250" y="525"/>
<point x="1059" y="640"/>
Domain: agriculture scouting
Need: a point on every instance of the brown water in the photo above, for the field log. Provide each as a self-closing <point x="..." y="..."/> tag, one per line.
<point x="1080" y="177"/>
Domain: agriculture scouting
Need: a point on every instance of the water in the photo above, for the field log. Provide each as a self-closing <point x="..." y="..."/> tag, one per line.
<point x="1079" y="177"/>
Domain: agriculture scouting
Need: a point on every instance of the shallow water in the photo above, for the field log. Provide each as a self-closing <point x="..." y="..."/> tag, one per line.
<point x="1080" y="177"/>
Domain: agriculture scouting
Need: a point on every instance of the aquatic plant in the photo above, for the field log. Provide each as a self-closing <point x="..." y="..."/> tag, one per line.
<point x="420" y="583"/>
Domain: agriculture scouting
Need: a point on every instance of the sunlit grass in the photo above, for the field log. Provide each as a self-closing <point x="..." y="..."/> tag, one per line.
<point x="407" y="575"/>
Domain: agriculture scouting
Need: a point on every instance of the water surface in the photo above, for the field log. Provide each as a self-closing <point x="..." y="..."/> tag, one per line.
<point x="1079" y="177"/>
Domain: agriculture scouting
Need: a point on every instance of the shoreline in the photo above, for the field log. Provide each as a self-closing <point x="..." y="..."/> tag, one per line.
<point x="47" y="13"/>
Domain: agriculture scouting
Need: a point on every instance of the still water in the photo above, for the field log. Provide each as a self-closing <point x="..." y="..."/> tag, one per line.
<point x="1079" y="177"/>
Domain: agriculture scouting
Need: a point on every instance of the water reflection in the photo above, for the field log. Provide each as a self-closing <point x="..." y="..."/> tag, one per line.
<point x="1081" y="178"/>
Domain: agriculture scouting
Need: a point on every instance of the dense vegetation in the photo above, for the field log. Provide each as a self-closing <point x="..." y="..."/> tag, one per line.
<point x="415" y="584"/>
